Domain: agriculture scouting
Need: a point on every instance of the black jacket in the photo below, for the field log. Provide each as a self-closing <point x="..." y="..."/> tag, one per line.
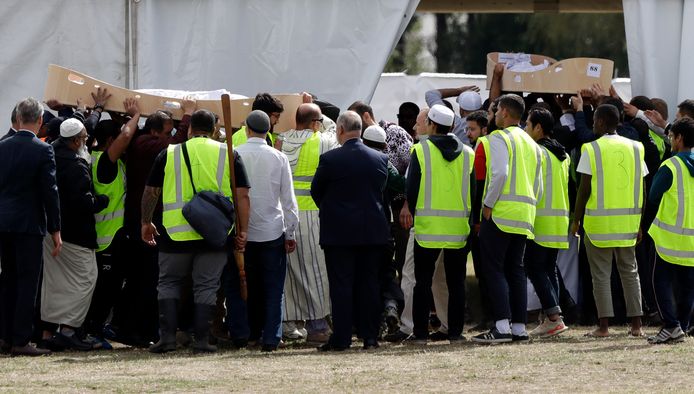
<point x="78" y="202"/>
<point x="348" y="189"/>
<point x="28" y="192"/>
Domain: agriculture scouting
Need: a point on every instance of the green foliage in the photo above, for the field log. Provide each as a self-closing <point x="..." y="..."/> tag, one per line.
<point x="559" y="36"/>
<point x="405" y="55"/>
<point x="463" y="40"/>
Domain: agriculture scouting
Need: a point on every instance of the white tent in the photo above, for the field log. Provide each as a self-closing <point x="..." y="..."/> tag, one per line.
<point x="334" y="49"/>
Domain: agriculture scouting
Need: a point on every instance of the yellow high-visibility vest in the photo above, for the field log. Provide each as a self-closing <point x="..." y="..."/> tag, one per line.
<point x="673" y="228"/>
<point x="552" y="217"/>
<point x="110" y="219"/>
<point x="442" y="213"/>
<point x="208" y="162"/>
<point x="305" y="169"/>
<point x="239" y="137"/>
<point x="514" y="212"/>
<point x="613" y="211"/>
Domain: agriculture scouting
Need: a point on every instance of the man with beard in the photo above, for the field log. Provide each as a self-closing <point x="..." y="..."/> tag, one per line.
<point x="69" y="278"/>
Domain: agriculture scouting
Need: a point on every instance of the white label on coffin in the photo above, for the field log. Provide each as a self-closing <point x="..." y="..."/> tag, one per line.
<point x="594" y="70"/>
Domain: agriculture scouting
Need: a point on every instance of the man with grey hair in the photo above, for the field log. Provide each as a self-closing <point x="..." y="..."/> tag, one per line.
<point x="29" y="208"/>
<point x="69" y="279"/>
<point x="348" y="190"/>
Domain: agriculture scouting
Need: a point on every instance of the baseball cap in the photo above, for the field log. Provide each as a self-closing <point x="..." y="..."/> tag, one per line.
<point x="375" y="134"/>
<point x="470" y="101"/>
<point x="70" y="128"/>
<point x="441" y="115"/>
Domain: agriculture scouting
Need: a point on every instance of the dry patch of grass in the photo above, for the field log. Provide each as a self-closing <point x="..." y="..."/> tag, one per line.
<point x="568" y="363"/>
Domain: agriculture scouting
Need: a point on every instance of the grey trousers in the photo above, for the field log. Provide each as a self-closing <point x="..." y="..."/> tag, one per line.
<point x="600" y="260"/>
<point x="206" y="268"/>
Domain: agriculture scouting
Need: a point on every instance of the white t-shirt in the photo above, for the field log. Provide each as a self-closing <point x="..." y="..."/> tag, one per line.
<point x="583" y="166"/>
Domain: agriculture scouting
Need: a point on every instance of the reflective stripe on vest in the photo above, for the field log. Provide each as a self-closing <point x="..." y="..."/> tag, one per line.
<point x="442" y="213"/>
<point x="673" y="228"/>
<point x="205" y="156"/>
<point x="304" y="170"/>
<point x="614" y="223"/>
<point x="110" y="219"/>
<point x="552" y="217"/>
<point x="514" y="211"/>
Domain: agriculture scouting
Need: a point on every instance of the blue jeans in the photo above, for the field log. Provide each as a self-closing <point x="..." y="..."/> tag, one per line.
<point x="261" y="315"/>
<point x="541" y="267"/>
<point x="675" y="311"/>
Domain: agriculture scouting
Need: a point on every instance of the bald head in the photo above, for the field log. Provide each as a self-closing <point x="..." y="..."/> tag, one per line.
<point x="307" y="115"/>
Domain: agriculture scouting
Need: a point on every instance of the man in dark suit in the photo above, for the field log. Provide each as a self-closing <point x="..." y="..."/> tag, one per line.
<point x="348" y="189"/>
<point x="13" y="130"/>
<point x="29" y="208"/>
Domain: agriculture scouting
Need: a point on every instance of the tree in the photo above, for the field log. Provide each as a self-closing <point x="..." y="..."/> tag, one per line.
<point x="405" y="55"/>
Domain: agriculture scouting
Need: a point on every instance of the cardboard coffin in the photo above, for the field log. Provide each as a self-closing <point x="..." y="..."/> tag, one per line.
<point x="67" y="86"/>
<point x="564" y="76"/>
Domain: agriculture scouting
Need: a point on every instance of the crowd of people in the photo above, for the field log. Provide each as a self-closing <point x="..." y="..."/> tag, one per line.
<point x="345" y="226"/>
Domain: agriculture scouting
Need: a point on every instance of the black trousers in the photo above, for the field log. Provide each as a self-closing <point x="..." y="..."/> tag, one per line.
<point x="473" y="242"/>
<point x="388" y="277"/>
<point x="108" y="284"/>
<point x="454" y="261"/>
<point x="502" y="257"/>
<point x="353" y="278"/>
<point x="21" y="260"/>
<point x="136" y="311"/>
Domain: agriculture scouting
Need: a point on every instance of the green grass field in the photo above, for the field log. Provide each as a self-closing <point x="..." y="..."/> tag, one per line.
<point x="567" y="363"/>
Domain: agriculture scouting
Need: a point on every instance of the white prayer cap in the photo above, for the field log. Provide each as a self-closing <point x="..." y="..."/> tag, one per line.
<point x="441" y="115"/>
<point x="70" y="128"/>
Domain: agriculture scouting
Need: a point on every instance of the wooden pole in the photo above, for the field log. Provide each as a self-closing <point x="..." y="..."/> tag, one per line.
<point x="238" y="256"/>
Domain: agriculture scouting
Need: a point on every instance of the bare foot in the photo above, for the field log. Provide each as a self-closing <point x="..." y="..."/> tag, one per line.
<point x="636" y="332"/>
<point x="598" y="333"/>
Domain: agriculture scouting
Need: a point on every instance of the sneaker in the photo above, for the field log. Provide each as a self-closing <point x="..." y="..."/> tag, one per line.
<point x="438" y="336"/>
<point x="549" y="328"/>
<point x="520" y="338"/>
<point x="493" y="336"/>
<point x="72" y="342"/>
<point x="291" y="332"/>
<point x="666" y="335"/>
<point x="397" y="336"/>
<point x="392" y="319"/>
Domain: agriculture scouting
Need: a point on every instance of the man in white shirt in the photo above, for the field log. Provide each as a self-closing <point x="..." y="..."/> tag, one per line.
<point x="273" y="220"/>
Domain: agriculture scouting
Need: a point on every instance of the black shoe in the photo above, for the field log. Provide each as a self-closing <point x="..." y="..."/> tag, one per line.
<point x="240" y="343"/>
<point x="520" y="338"/>
<point x="71" y="342"/>
<point x="691" y="331"/>
<point x="397" y="336"/>
<point x="438" y="336"/>
<point x="370" y="344"/>
<point x="456" y="339"/>
<point x="492" y="336"/>
<point x="50" y="344"/>
<point x="328" y="347"/>
<point x="268" y="348"/>
<point x="5" y="347"/>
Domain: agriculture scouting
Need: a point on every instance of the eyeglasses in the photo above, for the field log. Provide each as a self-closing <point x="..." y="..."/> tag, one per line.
<point x="318" y="120"/>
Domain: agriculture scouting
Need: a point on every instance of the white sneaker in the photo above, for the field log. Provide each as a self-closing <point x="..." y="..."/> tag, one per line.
<point x="549" y="328"/>
<point x="291" y="332"/>
<point x="666" y="335"/>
